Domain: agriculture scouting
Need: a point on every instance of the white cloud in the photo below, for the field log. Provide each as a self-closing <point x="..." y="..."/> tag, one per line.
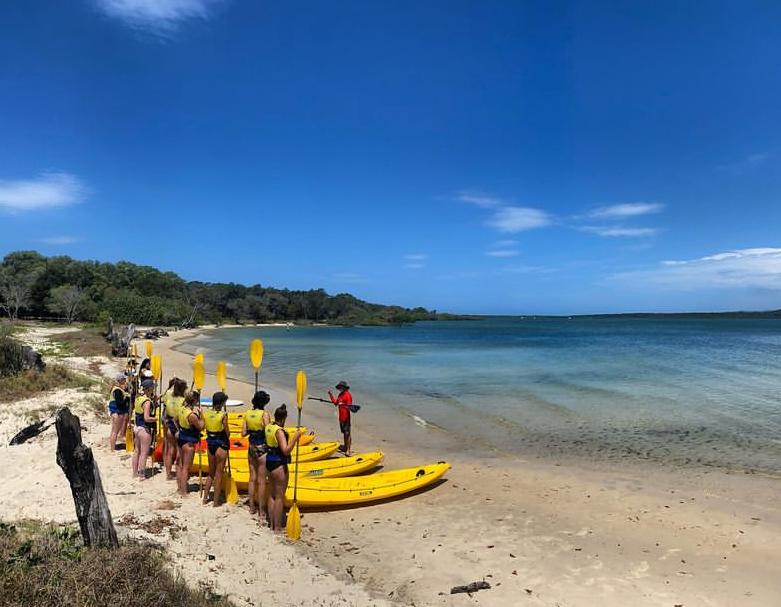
<point x="481" y="199"/>
<point x="629" y="209"/>
<point x="740" y="167"/>
<point x="518" y="219"/>
<point x="56" y="240"/>
<point x="758" y="268"/>
<point x="49" y="190"/>
<point x="157" y="15"/>
<point x="416" y="256"/>
<point x="502" y="253"/>
<point x="613" y="231"/>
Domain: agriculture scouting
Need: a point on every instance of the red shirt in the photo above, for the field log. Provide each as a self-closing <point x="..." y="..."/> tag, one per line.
<point x="343" y="402"/>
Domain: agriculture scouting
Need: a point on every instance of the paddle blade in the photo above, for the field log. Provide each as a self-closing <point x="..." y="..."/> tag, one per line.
<point x="157" y="366"/>
<point x="198" y="373"/>
<point x="230" y="488"/>
<point x="221" y="375"/>
<point x="148" y="346"/>
<point x="199" y="356"/>
<point x="129" y="446"/>
<point x="293" y="526"/>
<point x="300" y="389"/>
<point x="135" y="351"/>
<point x="256" y="353"/>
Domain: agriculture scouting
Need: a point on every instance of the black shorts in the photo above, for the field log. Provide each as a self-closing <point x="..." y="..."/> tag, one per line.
<point x="256" y="451"/>
<point x="345" y="427"/>
<point x="182" y="442"/>
<point x="214" y="446"/>
<point x="273" y="465"/>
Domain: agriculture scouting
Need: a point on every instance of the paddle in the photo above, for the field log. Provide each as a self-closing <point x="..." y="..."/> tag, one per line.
<point x="157" y="367"/>
<point x="256" y="357"/>
<point x="148" y="349"/>
<point x="353" y="408"/>
<point x="293" y="525"/>
<point x="198" y="383"/>
<point x="228" y="484"/>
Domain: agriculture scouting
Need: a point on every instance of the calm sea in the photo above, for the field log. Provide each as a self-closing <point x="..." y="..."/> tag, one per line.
<point x="680" y="391"/>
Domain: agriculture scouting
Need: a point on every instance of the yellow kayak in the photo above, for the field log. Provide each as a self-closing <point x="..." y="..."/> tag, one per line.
<point x="309" y="453"/>
<point x="362" y="489"/>
<point x="329" y="468"/>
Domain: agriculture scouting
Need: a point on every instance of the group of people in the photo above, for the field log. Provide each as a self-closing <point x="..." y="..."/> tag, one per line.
<point x="177" y="418"/>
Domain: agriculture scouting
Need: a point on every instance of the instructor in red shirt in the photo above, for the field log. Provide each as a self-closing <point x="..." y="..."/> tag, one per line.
<point x="342" y="402"/>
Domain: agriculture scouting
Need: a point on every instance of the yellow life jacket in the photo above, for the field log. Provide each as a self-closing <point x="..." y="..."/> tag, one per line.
<point x="254" y="420"/>
<point x="213" y="421"/>
<point x="271" y="435"/>
<point x="183" y="416"/>
<point x="172" y="405"/>
<point x="139" y="406"/>
<point x="125" y="397"/>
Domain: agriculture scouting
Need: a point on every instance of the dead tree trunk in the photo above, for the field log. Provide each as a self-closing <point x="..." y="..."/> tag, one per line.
<point x="80" y="468"/>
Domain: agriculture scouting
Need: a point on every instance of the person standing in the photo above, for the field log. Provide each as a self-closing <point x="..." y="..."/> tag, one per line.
<point x="278" y="449"/>
<point x="190" y="426"/>
<point x="343" y="402"/>
<point x="145" y="425"/>
<point x="217" y="433"/>
<point x="172" y="400"/>
<point x="255" y="422"/>
<point x="118" y="407"/>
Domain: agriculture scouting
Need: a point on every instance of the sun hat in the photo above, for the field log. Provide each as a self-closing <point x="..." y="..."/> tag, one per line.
<point x="147" y="383"/>
<point x="342" y="384"/>
<point x="121" y="376"/>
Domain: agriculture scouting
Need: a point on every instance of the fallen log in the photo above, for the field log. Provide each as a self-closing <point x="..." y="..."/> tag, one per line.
<point x="81" y="470"/>
<point x="29" y="432"/>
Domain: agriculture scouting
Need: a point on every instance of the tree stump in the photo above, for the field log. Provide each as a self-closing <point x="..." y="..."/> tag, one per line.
<point x="81" y="470"/>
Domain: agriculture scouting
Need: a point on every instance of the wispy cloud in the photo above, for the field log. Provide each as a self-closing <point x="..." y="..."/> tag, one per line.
<point x="416" y="256"/>
<point x="481" y="199"/>
<point x="629" y="209"/>
<point x="746" y="164"/>
<point x="414" y="266"/>
<point x="744" y="268"/>
<point x="59" y="240"/>
<point x="518" y="219"/>
<point x="502" y="253"/>
<point x="158" y="16"/>
<point x="48" y="190"/>
<point x="619" y="231"/>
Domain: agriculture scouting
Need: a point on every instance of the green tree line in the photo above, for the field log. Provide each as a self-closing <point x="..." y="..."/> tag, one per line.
<point x="32" y="285"/>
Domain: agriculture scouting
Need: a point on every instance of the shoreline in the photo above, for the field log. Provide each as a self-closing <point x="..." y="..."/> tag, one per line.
<point x="542" y="533"/>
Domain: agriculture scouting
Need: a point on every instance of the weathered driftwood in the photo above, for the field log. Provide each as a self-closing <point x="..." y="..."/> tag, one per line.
<point x="120" y="338"/>
<point x="470" y="588"/>
<point x="75" y="459"/>
<point x="29" y="432"/>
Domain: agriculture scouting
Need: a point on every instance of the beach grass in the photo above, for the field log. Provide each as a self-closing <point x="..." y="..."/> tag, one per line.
<point x="47" y="565"/>
<point x="84" y="342"/>
<point x="29" y="383"/>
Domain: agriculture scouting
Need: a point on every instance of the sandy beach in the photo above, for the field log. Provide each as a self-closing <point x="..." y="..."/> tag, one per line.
<point x="540" y="533"/>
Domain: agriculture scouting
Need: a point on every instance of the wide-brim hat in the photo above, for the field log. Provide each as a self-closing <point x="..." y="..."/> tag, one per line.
<point x="342" y="385"/>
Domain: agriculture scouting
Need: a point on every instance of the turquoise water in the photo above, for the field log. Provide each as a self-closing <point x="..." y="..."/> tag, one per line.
<point x="680" y="391"/>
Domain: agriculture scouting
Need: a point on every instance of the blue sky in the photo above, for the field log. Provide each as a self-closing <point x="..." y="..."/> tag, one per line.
<point x="469" y="156"/>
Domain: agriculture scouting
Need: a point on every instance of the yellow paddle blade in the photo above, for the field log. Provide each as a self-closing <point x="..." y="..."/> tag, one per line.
<point x="135" y="351"/>
<point x="293" y="525"/>
<point x="148" y="349"/>
<point x="230" y="488"/>
<point x="221" y="375"/>
<point x="300" y="388"/>
<point x="199" y="356"/>
<point x="157" y="366"/>
<point x="256" y="353"/>
<point x="129" y="446"/>
<point x="198" y="374"/>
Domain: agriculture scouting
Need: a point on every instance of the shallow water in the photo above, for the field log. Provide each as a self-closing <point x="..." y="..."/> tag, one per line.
<point x="678" y="391"/>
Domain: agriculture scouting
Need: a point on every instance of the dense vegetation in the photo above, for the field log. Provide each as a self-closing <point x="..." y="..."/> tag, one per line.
<point x="36" y="286"/>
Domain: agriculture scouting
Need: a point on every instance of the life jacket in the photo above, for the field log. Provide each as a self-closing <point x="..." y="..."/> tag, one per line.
<point x="187" y="431"/>
<point x="172" y="405"/>
<point x="273" y="452"/>
<point x="112" y="404"/>
<point x="139" y="411"/>
<point x="214" y="424"/>
<point x="255" y="428"/>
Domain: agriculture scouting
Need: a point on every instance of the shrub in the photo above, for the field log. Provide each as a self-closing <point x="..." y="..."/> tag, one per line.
<point x="10" y="354"/>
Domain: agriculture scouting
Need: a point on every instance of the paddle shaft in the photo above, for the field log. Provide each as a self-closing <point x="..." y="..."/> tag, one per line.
<point x="295" y="472"/>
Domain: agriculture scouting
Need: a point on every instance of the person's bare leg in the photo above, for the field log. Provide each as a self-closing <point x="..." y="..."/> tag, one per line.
<point x="209" y="480"/>
<point x="112" y="437"/>
<point x="219" y="469"/>
<point x="183" y="472"/>
<point x="145" y="438"/>
<point x="252" y="487"/>
<point x="348" y="441"/>
<point x="264" y="513"/>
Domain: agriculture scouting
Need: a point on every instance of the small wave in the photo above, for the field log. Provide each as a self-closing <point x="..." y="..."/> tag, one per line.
<point x="419" y="421"/>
